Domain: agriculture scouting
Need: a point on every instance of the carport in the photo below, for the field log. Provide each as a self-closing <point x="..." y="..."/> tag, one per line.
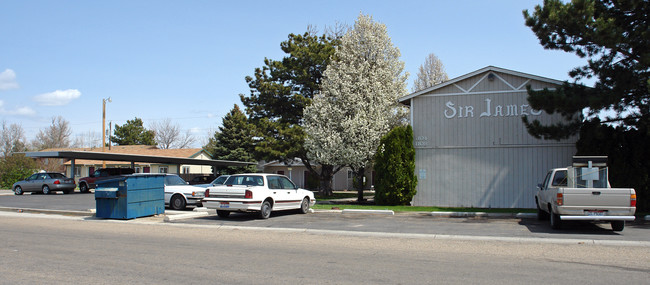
<point x="133" y="158"/>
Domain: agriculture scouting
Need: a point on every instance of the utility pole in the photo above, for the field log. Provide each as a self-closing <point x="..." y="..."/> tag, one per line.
<point x="104" y="127"/>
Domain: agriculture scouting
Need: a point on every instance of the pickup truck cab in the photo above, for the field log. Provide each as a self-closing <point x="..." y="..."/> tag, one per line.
<point x="257" y="192"/>
<point x="582" y="192"/>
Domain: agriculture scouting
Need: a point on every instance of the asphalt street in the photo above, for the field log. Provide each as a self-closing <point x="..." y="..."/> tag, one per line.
<point x="57" y="249"/>
<point x="400" y="223"/>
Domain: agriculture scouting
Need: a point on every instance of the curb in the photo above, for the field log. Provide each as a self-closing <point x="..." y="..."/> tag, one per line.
<point x="170" y="218"/>
<point x="43" y="211"/>
<point x="483" y="215"/>
<point x="359" y="211"/>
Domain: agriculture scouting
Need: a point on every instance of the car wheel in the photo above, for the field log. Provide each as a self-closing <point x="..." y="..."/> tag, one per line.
<point x="177" y="202"/>
<point x="46" y="190"/>
<point x="265" y="211"/>
<point x="83" y="188"/>
<point x="18" y="190"/>
<point x="556" y="222"/>
<point x="304" y="206"/>
<point x="618" y="226"/>
<point x="223" y="214"/>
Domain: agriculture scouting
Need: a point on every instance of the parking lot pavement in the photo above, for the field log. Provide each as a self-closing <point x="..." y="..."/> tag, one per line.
<point x="337" y="221"/>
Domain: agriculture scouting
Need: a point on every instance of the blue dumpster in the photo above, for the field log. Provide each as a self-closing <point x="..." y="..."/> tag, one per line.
<point x="130" y="196"/>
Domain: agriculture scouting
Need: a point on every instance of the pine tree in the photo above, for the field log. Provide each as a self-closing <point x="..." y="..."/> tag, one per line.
<point x="615" y="38"/>
<point x="233" y="141"/>
<point x="280" y="91"/>
<point x="133" y="133"/>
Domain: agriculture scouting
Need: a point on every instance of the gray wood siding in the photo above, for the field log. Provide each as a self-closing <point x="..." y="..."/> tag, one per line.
<point x="503" y="177"/>
<point x="471" y="159"/>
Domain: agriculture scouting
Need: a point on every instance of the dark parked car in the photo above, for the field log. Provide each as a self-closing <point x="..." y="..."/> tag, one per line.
<point x="90" y="182"/>
<point x="46" y="182"/>
<point x="203" y="179"/>
<point x="217" y="181"/>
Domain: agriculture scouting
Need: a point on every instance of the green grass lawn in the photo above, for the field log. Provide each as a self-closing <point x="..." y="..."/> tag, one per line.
<point x="336" y="195"/>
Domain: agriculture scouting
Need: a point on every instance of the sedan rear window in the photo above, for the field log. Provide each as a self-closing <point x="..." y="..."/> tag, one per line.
<point x="57" y="175"/>
<point x="247" y="180"/>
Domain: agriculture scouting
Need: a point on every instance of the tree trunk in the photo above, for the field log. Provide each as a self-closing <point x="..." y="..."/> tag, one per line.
<point x="325" y="175"/>
<point x="358" y="174"/>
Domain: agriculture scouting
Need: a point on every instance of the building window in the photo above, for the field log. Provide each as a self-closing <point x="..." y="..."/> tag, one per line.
<point x="350" y="174"/>
<point x="163" y="169"/>
<point x="186" y="170"/>
<point x="77" y="171"/>
<point x="281" y="172"/>
<point x="137" y="169"/>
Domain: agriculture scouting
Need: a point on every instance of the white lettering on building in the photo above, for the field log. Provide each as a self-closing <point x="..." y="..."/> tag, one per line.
<point x="513" y="110"/>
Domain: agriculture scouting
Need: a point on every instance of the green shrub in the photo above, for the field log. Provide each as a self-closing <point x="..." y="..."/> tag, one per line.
<point x="395" y="168"/>
<point x="15" y="167"/>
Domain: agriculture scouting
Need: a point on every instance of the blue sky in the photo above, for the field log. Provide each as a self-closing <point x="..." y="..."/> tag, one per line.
<point x="186" y="60"/>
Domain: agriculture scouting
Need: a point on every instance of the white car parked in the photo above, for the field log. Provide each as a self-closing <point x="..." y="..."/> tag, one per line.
<point x="257" y="192"/>
<point x="178" y="194"/>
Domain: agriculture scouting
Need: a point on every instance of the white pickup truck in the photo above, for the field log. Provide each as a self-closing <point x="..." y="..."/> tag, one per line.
<point x="582" y="192"/>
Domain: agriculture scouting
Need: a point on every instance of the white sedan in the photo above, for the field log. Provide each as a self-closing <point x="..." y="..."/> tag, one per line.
<point x="178" y="194"/>
<point x="257" y="192"/>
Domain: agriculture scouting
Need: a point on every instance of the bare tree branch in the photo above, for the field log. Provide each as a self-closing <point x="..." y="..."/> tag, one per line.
<point x="430" y="73"/>
<point x="168" y="135"/>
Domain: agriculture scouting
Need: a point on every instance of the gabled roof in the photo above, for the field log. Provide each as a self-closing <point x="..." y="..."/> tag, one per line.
<point x="405" y="99"/>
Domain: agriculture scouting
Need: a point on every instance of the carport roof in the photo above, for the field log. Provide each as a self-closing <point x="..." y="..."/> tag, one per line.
<point x="69" y="154"/>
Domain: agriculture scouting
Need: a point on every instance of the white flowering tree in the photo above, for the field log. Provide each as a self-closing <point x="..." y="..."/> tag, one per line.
<point x="358" y="102"/>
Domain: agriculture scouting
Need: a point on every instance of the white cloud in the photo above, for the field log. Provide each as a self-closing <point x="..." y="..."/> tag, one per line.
<point x="58" y="97"/>
<point x="23" y="111"/>
<point x="8" y="80"/>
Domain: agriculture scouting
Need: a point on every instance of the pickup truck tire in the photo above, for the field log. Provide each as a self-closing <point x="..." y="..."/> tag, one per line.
<point x="556" y="222"/>
<point x="223" y="214"/>
<point x="83" y="188"/>
<point x="265" y="211"/>
<point x="541" y="214"/>
<point x="618" y="226"/>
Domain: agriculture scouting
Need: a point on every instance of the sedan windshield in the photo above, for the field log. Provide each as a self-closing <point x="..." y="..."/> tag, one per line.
<point x="247" y="180"/>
